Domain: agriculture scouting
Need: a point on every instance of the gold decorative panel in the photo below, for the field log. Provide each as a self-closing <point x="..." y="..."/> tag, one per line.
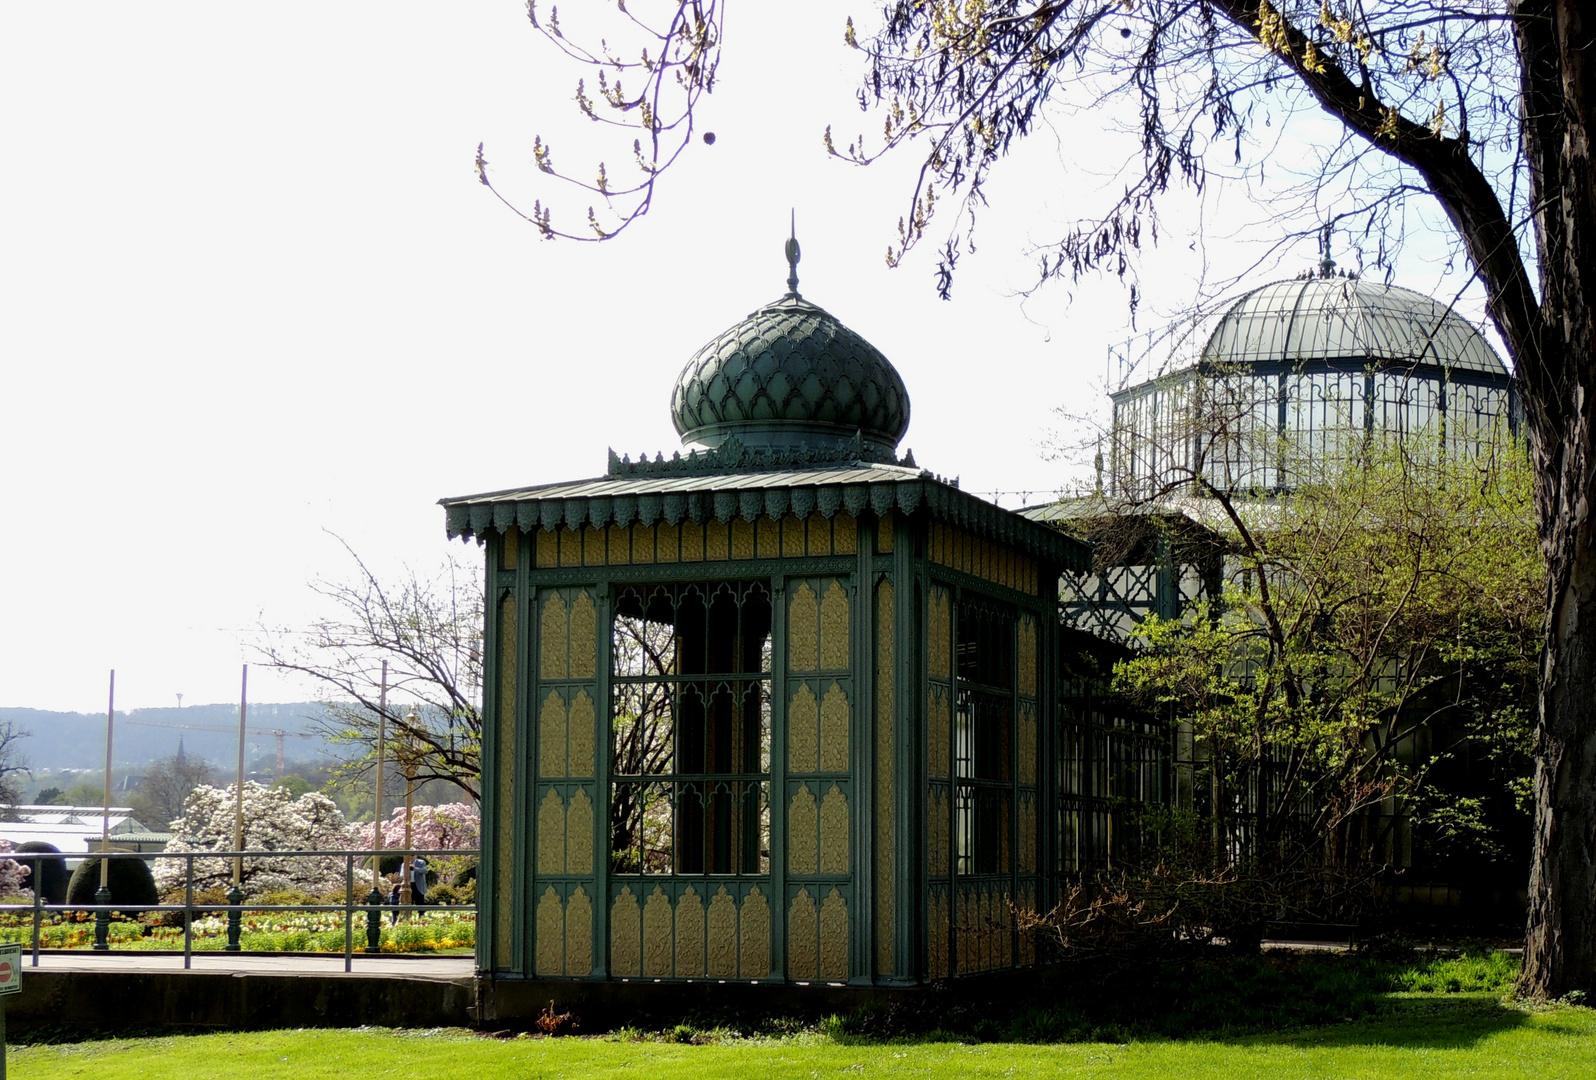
<point x="579" y="835"/>
<point x="834" y="629"/>
<point x="722" y="934"/>
<point x="692" y="541"/>
<point x="792" y="537"/>
<point x="819" y="535"/>
<point x="593" y="544"/>
<point x="551" y="736"/>
<point x="834" y="723"/>
<point x="548" y="549"/>
<point x="584" y="721"/>
<point x="579" y="934"/>
<point x="803" y="629"/>
<point x="620" y="546"/>
<point x="844" y="535"/>
<point x="642" y="544"/>
<point x="885" y="853"/>
<point x="767" y="535"/>
<point x="665" y="542"/>
<point x="716" y="546"/>
<point x="982" y="558"/>
<point x="1027" y="852"/>
<point x="1027" y="742"/>
<point x="689" y="934"/>
<point x="551" y="934"/>
<point x="626" y="935"/>
<point x="940" y="647"/>
<point x="983" y="932"/>
<point x="584" y="636"/>
<point x="803" y="731"/>
<point x="884" y="537"/>
<point x="570" y="548"/>
<point x="657" y="936"/>
<point x="1027" y="657"/>
<point x="938" y="734"/>
<point x="509" y="549"/>
<point x="937" y="946"/>
<point x="803" y="936"/>
<point x="553" y="637"/>
<point x="938" y="828"/>
<point x="551" y="834"/>
<point x="834" y="937"/>
<point x="802" y="832"/>
<point x="754" y="960"/>
<point x="1028" y="937"/>
<point x="742" y="539"/>
<point x="505" y="764"/>
<point x="834" y="832"/>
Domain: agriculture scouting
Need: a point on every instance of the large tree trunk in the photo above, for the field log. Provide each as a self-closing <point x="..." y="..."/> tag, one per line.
<point x="1558" y="376"/>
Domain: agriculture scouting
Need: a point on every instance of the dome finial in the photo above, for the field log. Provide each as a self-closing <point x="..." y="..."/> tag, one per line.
<point x="1327" y="265"/>
<point x="792" y="257"/>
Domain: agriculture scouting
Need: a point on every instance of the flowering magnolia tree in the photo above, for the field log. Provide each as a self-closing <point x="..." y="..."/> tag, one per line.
<point x="13" y="875"/>
<point x="451" y="826"/>
<point x="273" y="821"/>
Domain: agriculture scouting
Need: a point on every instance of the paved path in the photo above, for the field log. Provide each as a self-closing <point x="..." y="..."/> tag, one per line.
<point x="440" y="968"/>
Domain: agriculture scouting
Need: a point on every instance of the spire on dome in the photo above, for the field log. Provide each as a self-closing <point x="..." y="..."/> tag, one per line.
<point x="792" y="257"/>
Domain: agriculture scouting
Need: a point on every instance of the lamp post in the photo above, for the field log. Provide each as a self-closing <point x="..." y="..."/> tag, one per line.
<point x="102" y="895"/>
<point x="407" y="760"/>
<point x="374" y="901"/>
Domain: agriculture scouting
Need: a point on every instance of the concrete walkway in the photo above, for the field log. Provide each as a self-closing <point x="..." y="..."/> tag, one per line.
<point x="443" y="968"/>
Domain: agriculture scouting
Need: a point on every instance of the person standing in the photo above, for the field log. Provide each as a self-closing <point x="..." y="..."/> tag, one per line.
<point x="418" y="879"/>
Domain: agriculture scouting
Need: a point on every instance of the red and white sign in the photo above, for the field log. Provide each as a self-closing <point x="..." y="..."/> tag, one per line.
<point x="10" y="969"/>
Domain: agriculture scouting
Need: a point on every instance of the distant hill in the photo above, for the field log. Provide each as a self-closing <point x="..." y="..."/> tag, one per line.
<point x="69" y="740"/>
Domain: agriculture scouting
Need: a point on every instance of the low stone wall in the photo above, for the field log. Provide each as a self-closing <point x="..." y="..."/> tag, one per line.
<point x="79" y="1002"/>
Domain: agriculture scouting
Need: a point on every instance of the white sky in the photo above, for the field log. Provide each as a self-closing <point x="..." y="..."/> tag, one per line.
<point x="251" y="292"/>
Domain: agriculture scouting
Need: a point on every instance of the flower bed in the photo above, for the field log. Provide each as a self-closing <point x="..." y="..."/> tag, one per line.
<point x="436" y="930"/>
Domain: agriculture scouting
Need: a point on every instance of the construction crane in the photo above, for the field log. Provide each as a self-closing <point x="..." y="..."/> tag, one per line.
<point x="278" y="733"/>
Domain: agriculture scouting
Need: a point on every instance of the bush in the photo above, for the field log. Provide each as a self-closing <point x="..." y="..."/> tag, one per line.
<point x="454" y="894"/>
<point x="131" y="883"/>
<point x="52" y="873"/>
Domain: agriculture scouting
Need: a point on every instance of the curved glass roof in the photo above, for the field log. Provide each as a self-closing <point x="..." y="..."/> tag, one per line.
<point x="1345" y="318"/>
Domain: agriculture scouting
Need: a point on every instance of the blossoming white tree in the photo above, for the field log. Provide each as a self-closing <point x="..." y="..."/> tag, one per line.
<point x="273" y="821"/>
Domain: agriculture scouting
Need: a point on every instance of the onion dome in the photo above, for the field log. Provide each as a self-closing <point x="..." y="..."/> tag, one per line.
<point x="791" y="375"/>
<point x="1333" y="318"/>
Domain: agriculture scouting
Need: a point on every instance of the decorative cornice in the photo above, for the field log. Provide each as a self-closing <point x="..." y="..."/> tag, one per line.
<point x="798" y="492"/>
<point x="733" y="456"/>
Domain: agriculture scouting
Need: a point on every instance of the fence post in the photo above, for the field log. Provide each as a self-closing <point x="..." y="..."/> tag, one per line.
<point x="374" y="921"/>
<point x="102" y="918"/>
<point x="188" y="912"/>
<point x="38" y="911"/>
<point x="235" y="918"/>
<point x="349" y="911"/>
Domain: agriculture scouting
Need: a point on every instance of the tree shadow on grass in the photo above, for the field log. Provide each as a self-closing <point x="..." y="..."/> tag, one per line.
<point x="1454" y="1022"/>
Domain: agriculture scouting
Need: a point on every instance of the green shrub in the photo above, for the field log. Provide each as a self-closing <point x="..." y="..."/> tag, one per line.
<point x="130" y="881"/>
<point x="456" y="894"/>
<point x="286" y="897"/>
<point x="52" y="873"/>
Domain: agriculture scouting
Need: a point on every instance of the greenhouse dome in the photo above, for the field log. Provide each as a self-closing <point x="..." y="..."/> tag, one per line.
<point x="1294" y="371"/>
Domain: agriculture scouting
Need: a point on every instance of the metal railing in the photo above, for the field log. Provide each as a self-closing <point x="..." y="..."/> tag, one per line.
<point x="237" y="902"/>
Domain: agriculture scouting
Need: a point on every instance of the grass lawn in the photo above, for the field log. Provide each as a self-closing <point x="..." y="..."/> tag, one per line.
<point x="1419" y="1035"/>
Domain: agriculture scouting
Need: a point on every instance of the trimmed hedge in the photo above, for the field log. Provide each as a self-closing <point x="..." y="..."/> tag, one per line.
<point x="131" y="884"/>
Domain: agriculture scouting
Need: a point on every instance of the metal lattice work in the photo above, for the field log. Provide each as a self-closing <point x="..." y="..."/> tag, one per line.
<point x="1113" y="766"/>
<point x="690" y="729"/>
<point x="983" y="740"/>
